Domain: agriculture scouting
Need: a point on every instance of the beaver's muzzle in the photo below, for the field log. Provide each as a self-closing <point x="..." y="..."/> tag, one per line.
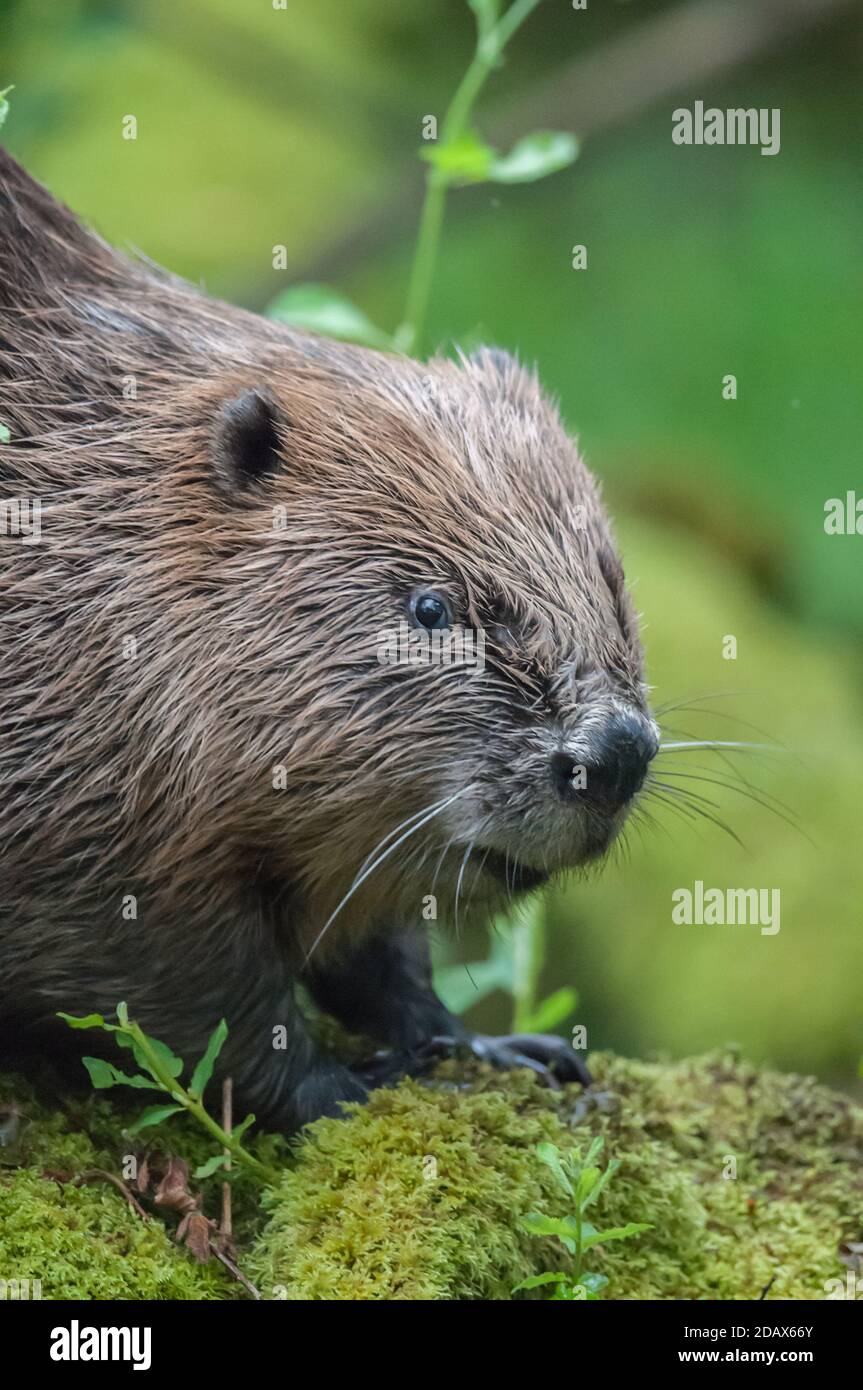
<point x="608" y="778"/>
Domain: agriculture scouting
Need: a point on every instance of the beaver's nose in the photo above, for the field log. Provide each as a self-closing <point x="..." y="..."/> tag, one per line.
<point x="617" y="766"/>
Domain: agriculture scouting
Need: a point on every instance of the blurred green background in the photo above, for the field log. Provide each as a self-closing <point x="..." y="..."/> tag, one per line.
<point x="259" y="126"/>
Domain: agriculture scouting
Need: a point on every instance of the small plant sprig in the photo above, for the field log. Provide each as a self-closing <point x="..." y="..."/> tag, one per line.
<point x="163" y="1070"/>
<point x="458" y="157"/>
<point x="582" y="1181"/>
<point x="514" y="964"/>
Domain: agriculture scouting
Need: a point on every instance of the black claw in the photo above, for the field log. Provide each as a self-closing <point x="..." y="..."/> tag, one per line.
<point x="554" y="1054"/>
<point x="520" y="1059"/>
<point x="549" y="1057"/>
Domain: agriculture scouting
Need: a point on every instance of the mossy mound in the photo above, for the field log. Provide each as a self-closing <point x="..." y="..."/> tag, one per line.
<point x="418" y="1195"/>
<point x="86" y="1241"/>
<point x="83" y="1240"/>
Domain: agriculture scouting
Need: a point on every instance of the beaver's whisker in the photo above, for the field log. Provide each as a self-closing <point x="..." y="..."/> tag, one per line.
<point x="462" y="868"/>
<point x="697" y="804"/>
<point x="390" y="834"/>
<point x="444" y="852"/>
<point x="671" y="706"/>
<point x="364" y="874"/>
<point x="760" y="798"/>
<point x="736" y="774"/>
<point x="479" y="867"/>
<point x="683" y="746"/>
<point x="714" y="714"/>
<point x="641" y="813"/>
<point x="651" y="794"/>
<point x="478" y="873"/>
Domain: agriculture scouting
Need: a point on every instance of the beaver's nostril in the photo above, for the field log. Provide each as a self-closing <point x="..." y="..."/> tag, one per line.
<point x="562" y="773"/>
<point x="617" y="766"/>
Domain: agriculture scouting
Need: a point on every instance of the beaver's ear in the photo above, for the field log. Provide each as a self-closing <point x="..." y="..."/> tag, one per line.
<point x="246" y="441"/>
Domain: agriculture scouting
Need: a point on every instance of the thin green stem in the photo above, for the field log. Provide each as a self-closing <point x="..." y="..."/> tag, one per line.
<point x="510" y="22"/>
<point x="196" y="1107"/>
<point x="408" y="335"/>
<point x="579" y="1250"/>
<point x="490" y="45"/>
<point x="528" y="960"/>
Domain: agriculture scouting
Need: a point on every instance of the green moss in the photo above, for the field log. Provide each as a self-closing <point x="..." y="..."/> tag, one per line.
<point x="681" y="1131"/>
<point x="359" y="1219"/>
<point x="418" y="1195"/>
<point x="86" y="1241"/>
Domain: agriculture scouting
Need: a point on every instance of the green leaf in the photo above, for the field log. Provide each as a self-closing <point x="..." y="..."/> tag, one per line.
<point x="4" y="112"/>
<point x="88" y="1021"/>
<point x="123" y="1014"/>
<point x="549" y="1154"/>
<point x="139" y="1083"/>
<point x="212" y="1165"/>
<point x="104" y="1074"/>
<point x="204" y="1070"/>
<point x="593" y="1283"/>
<point x="587" y="1180"/>
<point x="239" y="1130"/>
<point x="5" y="432"/>
<point x="595" y="1150"/>
<point x="460" y="986"/>
<point x="534" y="157"/>
<point x="322" y="310"/>
<point x="565" y="1229"/>
<point x="101" y="1073"/>
<point x="606" y="1177"/>
<point x="634" y="1228"/>
<point x="153" y="1115"/>
<point x="464" y="160"/>
<point x="172" y="1064"/>
<point x="537" y="1280"/>
<point x="551" y="1012"/>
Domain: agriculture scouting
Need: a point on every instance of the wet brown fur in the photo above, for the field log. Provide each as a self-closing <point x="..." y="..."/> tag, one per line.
<point x="152" y="775"/>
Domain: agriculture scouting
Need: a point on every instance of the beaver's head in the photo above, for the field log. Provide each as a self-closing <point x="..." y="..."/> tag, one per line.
<point x="452" y="668"/>
<point x="269" y="516"/>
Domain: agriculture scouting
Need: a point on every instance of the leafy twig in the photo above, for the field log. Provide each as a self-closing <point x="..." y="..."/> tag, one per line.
<point x="458" y="157"/>
<point x="163" y="1070"/>
<point x="514" y="964"/>
<point x="582" y="1182"/>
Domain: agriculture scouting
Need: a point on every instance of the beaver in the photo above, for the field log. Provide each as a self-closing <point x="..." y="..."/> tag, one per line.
<point x="216" y="796"/>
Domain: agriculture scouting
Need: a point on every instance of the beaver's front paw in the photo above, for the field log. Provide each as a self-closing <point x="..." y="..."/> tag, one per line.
<point x="553" y="1058"/>
<point x="391" y="1065"/>
<point x="324" y="1092"/>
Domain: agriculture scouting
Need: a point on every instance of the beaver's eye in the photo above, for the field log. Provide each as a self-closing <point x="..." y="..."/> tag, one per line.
<point x="430" y="609"/>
